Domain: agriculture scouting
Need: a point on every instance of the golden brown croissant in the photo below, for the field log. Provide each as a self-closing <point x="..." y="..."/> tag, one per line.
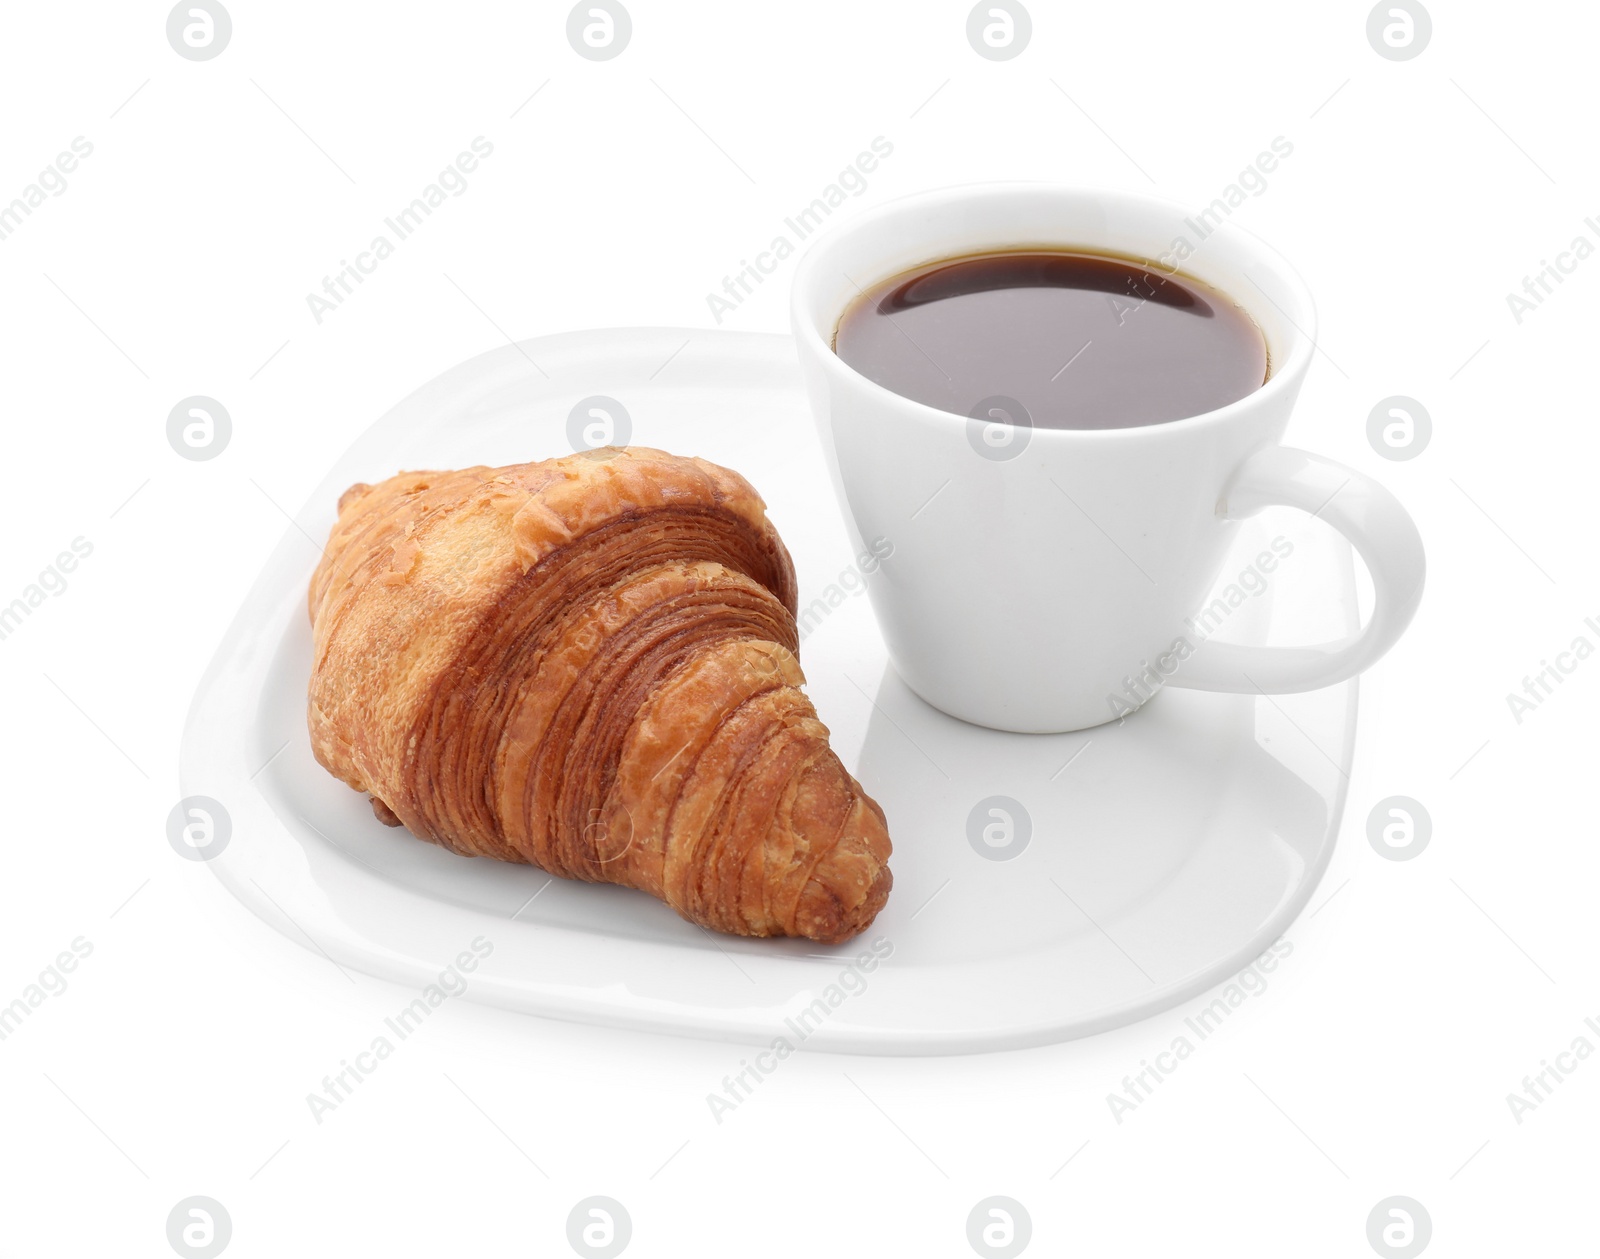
<point x="589" y="664"/>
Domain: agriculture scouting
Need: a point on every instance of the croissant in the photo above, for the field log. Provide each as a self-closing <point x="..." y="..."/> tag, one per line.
<point x="588" y="664"/>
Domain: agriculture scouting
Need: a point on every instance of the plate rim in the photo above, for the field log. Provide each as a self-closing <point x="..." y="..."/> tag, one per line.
<point x="754" y="1026"/>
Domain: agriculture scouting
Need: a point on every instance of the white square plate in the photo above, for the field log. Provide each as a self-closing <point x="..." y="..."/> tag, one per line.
<point x="1163" y="853"/>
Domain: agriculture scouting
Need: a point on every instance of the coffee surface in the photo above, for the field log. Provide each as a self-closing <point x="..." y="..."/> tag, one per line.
<point x="1079" y="340"/>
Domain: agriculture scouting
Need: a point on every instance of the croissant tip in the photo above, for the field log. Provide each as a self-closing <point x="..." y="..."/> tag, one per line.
<point x="831" y="922"/>
<point x="384" y="813"/>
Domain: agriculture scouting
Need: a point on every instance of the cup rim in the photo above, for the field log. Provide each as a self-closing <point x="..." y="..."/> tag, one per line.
<point x="1284" y="381"/>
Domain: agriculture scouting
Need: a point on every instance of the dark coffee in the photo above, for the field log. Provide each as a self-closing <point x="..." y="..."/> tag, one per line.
<point x="1079" y="340"/>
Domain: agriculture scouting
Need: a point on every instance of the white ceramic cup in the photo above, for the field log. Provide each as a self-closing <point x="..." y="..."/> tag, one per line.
<point x="1033" y="574"/>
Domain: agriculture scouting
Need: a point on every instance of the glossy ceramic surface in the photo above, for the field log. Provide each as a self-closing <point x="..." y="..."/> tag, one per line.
<point x="1038" y="573"/>
<point x="1127" y="869"/>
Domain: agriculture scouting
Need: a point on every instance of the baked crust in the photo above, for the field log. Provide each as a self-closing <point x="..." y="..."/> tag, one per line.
<point x="588" y="664"/>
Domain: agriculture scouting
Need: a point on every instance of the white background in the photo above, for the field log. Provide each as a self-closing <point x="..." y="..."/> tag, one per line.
<point x="177" y="261"/>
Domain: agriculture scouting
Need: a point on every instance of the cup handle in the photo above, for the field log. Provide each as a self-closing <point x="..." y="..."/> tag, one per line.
<point x="1376" y="525"/>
